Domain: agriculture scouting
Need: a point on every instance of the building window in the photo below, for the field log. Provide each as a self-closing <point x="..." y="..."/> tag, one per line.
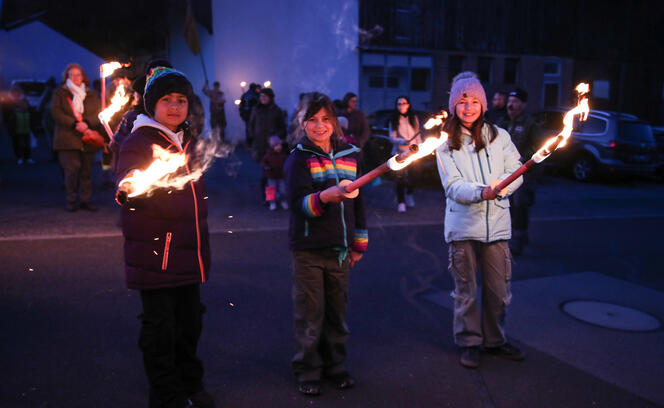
<point x="484" y="65"/>
<point x="511" y="73"/>
<point x="454" y="66"/>
<point x="601" y="89"/>
<point x="419" y="79"/>
<point x="551" y="95"/>
<point x="375" y="76"/>
<point x="552" y="68"/>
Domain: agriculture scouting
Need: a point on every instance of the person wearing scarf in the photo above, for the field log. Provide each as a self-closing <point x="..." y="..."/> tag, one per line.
<point x="75" y="108"/>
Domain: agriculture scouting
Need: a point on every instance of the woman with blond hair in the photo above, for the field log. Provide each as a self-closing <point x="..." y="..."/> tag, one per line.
<point x="75" y="108"/>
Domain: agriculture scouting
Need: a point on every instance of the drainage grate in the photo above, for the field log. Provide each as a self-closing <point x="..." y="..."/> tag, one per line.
<point x="611" y="316"/>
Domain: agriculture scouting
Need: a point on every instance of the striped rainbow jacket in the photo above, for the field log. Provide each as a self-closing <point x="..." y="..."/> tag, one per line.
<point x="314" y="225"/>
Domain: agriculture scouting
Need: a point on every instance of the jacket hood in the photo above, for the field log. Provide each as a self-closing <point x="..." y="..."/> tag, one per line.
<point x="144" y="120"/>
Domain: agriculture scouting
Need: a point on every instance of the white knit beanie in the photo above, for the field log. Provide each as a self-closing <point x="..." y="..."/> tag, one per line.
<point x="463" y="85"/>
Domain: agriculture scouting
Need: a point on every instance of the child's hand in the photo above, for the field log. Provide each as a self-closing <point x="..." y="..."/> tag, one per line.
<point x="333" y="194"/>
<point x="355" y="257"/>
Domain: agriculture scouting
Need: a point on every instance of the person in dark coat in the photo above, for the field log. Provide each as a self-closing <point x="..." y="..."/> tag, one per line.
<point x="167" y="250"/>
<point x="498" y="111"/>
<point x="266" y="120"/>
<point x="248" y="101"/>
<point x="527" y="138"/>
<point x="75" y="107"/>
<point x="358" y="127"/>
<point x="327" y="237"/>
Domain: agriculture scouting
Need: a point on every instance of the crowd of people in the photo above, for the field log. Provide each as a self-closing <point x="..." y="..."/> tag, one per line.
<point x="167" y="249"/>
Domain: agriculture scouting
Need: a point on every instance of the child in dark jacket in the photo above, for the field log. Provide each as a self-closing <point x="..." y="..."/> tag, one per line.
<point x="273" y="169"/>
<point x="167" y="251"/>
<point x="327" y="238"/>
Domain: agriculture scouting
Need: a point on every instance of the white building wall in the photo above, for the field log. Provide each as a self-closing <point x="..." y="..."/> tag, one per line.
<point x="184" y="60"/>
<point x="299" y="45"/>
<point x="35" y="51"/>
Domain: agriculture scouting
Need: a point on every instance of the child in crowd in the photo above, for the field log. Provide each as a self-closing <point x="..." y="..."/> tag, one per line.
<point x="167" y="250"/>
<point x="328" y="236"/>
<point x="272" y="164"/>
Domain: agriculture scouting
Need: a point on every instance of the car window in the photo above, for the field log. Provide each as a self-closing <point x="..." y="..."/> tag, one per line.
<point x="32" y="88"/>
<point x="635" y="132"/>
<point x="590" y="126"/>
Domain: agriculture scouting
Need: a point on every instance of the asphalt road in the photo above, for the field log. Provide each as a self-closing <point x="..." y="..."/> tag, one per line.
<point x="68" y="327"/>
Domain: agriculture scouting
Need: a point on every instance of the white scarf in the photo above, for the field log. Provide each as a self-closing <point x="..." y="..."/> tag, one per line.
<point x="79" y="96"/>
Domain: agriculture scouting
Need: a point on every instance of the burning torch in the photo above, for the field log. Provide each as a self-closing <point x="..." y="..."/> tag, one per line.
<point x="350" y="189"/>
<point x="119" y="99"/>
<point x="550" y="146"/>
<point x="104" y="71"/>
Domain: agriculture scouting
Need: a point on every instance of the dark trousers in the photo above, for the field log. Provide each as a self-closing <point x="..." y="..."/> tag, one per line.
<point x="77" y="165"/>
<point x="320" y="297"/>
<point x="171" y="325"/>
<point x="495" y="262"/>
<point x="404" y="186"/>
<point x="21" y="145"/>
<point x="520" y="203"/>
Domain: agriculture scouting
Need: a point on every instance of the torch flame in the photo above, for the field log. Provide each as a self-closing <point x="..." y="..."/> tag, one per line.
<point x="243" y="84"/>
<point x="267" y="84"/>
<point x="165" y="163"/>
<point x="238" y="102"/>
<point x="110" y="67"/>
<point x="119" y="99"/>
<point x="436" y="120"/>
<point x="425" y="148"/>
<point x="560" y="140"/>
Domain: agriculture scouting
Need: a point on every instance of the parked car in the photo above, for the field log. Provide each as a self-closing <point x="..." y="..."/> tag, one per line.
<point x="32" y="89"/>
<point x="658" y="134"/>
<point x="378" y="149"/>
<point x="606" y="143"/>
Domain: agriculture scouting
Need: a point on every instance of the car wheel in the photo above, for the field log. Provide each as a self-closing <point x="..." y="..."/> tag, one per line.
<point x="583" y="168"/>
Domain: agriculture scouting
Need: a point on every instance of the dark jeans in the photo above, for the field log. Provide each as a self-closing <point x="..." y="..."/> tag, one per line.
<point x="77" y="165"/>
<point x="495" y="262"/>
<point x="171" y="325"/>
<point x="520" y="203"/>
<point x="320" y="297"/>
<point x="21" y="144"/>
<point x="404" y="185"/>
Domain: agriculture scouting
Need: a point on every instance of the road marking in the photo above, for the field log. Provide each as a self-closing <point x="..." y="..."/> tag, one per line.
<point x="404" y="223"/>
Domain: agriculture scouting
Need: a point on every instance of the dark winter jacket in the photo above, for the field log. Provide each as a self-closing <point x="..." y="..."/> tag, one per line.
<point x="66" y="136"/>
<point x="166" y="233"/>
<point x="266" y="120"/>
<point x="314" y="225"/>
<point x="273" y="164"/>
<point x="358" y="127"/>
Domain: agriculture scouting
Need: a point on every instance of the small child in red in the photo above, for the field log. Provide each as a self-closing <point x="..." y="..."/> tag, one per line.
<point x="273" y="165"/>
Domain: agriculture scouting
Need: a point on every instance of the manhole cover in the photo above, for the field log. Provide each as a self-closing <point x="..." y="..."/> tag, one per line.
<point x="610" y="315"/>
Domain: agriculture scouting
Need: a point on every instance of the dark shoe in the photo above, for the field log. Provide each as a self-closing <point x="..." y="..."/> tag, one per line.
<point x="202" y="399"/>
<point x="506" y="351"/>
<point x="310" y="388"/>
<point x="89" y="207"/>
<point x="470" y="357"/>
<point x="342" y="381"/>
<point x="70" y="207"/>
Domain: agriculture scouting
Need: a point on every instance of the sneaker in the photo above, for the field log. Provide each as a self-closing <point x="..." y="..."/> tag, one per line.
<point x="470" y="357"/>
<point x="342" y="381"/>
<point x="202" y="399"/>
<point x="401" y="208"/>
<point x="19" y="162"/>
<point x="273" y="206"/>
<point x="284" y="205"/>
<point x="506" y="351"/>
<point x="30" y="161"/>
<point x="309" y="388"/>
<point x="410" y="201"/>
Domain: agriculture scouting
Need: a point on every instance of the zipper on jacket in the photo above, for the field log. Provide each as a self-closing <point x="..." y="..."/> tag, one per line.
<point x="343" y="218"/>
<point x="479" y="160"/>
<point x="486" y="150"/>
<point x="167" y="247"/>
